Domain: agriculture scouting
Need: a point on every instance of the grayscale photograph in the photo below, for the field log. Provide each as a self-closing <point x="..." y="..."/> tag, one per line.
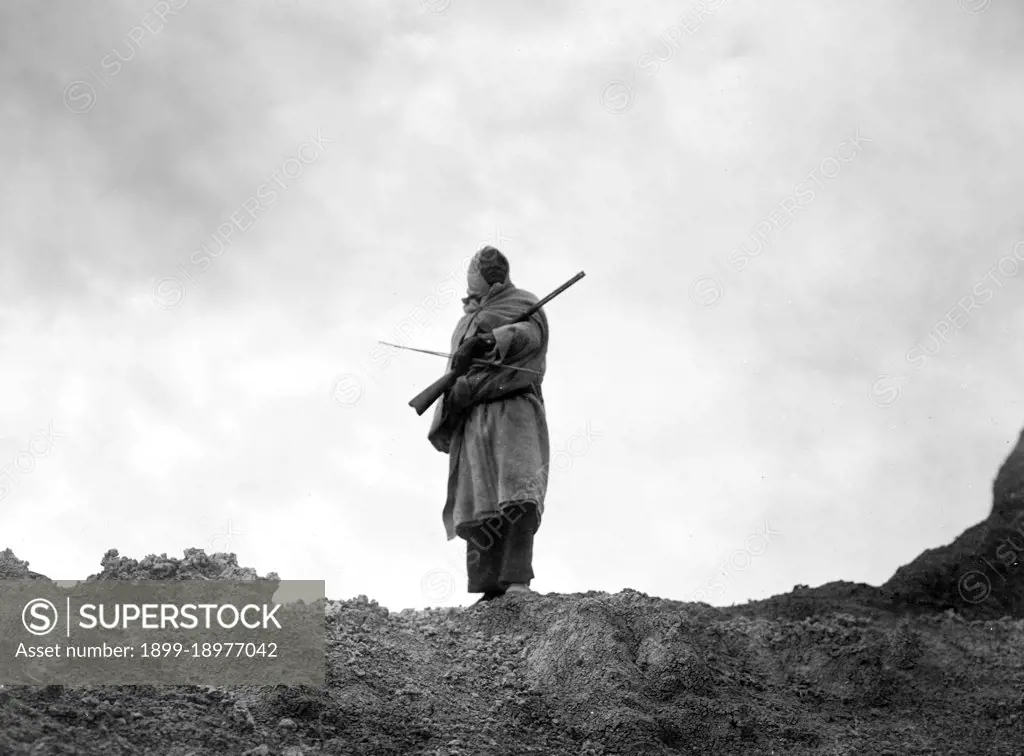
<point x="452" y="378"/>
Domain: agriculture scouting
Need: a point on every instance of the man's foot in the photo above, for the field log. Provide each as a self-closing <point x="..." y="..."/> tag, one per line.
<point x="518" y="588"/>
<point x="489" y="596"/>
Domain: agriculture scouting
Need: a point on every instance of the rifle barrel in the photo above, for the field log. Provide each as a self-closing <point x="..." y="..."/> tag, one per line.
<point x="530" y="313"/>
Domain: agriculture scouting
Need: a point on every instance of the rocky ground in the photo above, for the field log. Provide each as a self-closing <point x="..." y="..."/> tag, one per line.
<point x="928" y="663"/>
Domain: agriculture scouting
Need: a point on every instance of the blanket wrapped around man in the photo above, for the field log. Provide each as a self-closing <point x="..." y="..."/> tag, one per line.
<point x="500" y="454"/>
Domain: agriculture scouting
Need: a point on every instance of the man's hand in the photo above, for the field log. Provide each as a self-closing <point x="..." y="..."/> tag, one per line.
<point x="460" y="397"/>
<point x="470" y="349"/>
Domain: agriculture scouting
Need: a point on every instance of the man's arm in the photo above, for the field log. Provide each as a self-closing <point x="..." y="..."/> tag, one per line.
<point x="516" y="338"/>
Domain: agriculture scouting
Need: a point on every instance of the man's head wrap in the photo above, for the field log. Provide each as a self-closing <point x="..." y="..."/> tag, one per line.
<point x="492" y="265"/>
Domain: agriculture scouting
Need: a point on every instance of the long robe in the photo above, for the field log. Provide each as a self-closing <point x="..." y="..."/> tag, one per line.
<point x="501" y="452"/>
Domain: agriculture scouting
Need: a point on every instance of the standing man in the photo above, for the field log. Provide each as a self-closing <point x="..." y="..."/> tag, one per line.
<point x="493" y="427"/>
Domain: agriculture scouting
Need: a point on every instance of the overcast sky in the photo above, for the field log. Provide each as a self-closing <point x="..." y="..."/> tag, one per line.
<point x="214" y="209"/>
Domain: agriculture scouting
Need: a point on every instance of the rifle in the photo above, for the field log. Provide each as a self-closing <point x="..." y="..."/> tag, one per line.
<point x="423" y="400"/>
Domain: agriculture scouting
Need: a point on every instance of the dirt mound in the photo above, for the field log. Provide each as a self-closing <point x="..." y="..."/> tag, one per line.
<point x="576" y="674"/>
<point x="1008" y="488"/>
<point x="843" y="668"/>
<point x="981" y="573"/>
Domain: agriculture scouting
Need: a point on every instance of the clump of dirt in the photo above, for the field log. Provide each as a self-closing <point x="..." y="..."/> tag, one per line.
<point x="12" y="568"/>
<point x="920" y="665"/>
<point x="196" y="565"/>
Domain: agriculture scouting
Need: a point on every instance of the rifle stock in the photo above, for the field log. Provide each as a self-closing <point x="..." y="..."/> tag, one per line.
<point x="422" y="401"/>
